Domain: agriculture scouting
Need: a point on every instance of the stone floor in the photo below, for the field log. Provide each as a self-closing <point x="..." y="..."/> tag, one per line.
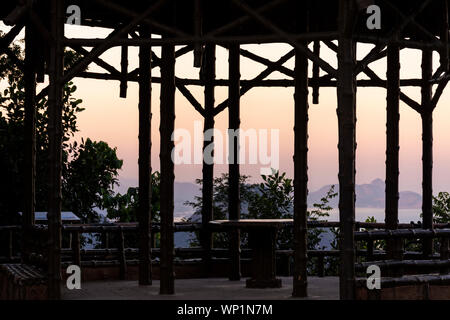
<point x="201" y="289"/>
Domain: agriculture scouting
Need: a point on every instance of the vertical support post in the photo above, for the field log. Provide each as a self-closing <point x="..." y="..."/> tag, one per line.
<point x="145" y="169"/>
<point x="166" y="129"/>
<point x="315" y="74"/>
<point x="76" y="248"/>
<point x="55" y="71"/>
<point x="427" y="149"/>
<point x="394" y="246"/>
<point x="198" y="32"/>
<point x="10" y="244"/>
<point x="208" y="73"/>
<point x="234" y="200"/>
<point x="30" y="141"/>
<point x="122" y="255"/>
<point x="124" y="70"/>
<point x="300" y="283"/>
<point x="444" y="60"/>
<point x="346" y="112"/>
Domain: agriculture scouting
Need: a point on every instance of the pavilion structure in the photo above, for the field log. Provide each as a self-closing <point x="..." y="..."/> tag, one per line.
<point x="200" y="26"/>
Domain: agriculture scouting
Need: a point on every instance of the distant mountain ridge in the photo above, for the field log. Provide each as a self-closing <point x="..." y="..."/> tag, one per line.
<point x="369" y="195"/>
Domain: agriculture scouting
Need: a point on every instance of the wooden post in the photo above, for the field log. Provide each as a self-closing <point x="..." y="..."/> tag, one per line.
<point x="316" y="74"/>
<point x="300" y="283"/>
<point x="145" y="169"/>
<point x="10" y="245"/>
<point x="122" y="255"/>
<point x="208" y="74"/>
<point x="124" y="71"/>
<point x="394" y="246"/>
<point x="198" y="32"/>
<point x="55" y="71"/>
<point x="234" y="200"/>
<point x="166" y="129"/>
<point x="346" y="112"/>
<point x="321" y="266"/>
<point x="30" y="141"/>
<point x="444" y="59"/>
<point x="427" y="149"/>
<point x="76" y="248"/>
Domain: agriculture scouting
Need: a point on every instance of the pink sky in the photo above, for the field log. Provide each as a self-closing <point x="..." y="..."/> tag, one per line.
<point x="114" y="120"/>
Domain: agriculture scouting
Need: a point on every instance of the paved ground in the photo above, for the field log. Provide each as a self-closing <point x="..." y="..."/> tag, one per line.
<point x="201" y="289"/>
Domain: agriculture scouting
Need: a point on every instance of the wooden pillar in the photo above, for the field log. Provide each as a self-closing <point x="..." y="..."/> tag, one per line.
<point x="76" y="252"/>
<point x="166" y="129"/>
<point x="145" y="169"/>
<point x="300" y="283"/>
<point x="122" y="255"/>
<point x="427" y="149"/>
<point x="444" y="58"/>
<point x="124" y="70"/>
<point x="30" y="141"/>
<point x="234" y="200"/>
<point x="55" y="71"/>
<point x="208" y="74"/>
<point x="346" y="112"/>
<point x="392" y="148"/>
<point x="316" y="74"/>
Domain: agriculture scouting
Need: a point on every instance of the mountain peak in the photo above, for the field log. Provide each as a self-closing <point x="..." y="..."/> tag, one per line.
<point x="378" y="182"/>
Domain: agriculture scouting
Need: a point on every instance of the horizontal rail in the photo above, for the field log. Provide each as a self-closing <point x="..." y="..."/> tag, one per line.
<point x="395" y="264"/>
<point x="408" y="280"/>
<point x="402" y="234"/>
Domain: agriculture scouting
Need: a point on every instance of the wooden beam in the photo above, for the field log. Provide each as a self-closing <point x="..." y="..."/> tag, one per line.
<point x="55" y="95"/>
<point x="427" y="149"/>
<point x="30" y="142"/>
<point x="166" y="129"/>
<point x="156" y="26"/>
<point x="346" y="112"/>
<point x="392" y="36"/>
<point x="6" y="40"/>
<point x="209" y="73"/>
<point x="234" y="199"/>
<point x="105" y="44"/>
<point x="241" y="20"/>
<point x="223" y="40"/>
<point x="300" y="282"/>
<point x="295" y="43"/>
<point x="394" y="249"/>
<point x="223" y="105"/>
<point x="145" y="168"/>
<point x="267" y="62"/>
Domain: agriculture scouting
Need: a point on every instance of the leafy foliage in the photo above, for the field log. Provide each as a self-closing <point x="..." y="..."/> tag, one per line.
<point x="123" y="207"/>
<point x="89" y="177"/>
<point x="441" y="208"/>
<point x="94" y="165"/>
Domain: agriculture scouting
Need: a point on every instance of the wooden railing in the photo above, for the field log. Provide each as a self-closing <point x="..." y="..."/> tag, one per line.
<point x="122" y="255"/>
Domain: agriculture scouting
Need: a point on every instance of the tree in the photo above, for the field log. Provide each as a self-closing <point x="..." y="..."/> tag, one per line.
<point x="89" y="177"/>
<point x="123" y="207"/>
<point x="12" y="115"/>
<point x="441" y="208"/>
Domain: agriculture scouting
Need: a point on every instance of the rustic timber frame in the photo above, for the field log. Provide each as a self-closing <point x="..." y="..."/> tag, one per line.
<point x="199" y="27"/>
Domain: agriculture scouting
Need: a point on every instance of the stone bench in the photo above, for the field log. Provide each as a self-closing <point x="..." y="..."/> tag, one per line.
<point x="22" y="282"/>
